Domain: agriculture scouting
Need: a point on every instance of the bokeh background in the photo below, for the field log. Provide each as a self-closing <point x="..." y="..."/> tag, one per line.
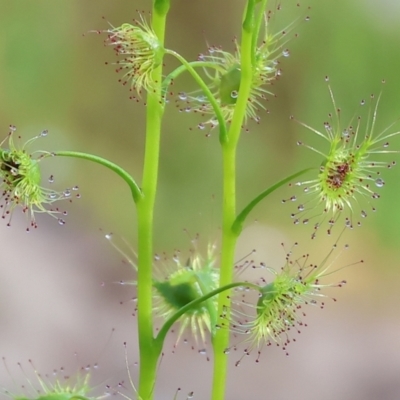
<point x="59" y="294"/>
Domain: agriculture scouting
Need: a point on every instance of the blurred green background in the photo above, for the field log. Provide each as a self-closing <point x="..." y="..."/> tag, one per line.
<point x="57" y="291"/>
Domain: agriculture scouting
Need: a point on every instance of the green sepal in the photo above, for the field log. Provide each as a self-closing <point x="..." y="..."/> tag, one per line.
<point x="12" y="161"/>
<point x="159" y="340"/>
<point x="237" y="226"/>
<point x="230" y="83"/>
<point x="267" y="293"/>
<point x="159" y="53"/>
<point x="177" y="295"/>
<point x="4" y="154"/>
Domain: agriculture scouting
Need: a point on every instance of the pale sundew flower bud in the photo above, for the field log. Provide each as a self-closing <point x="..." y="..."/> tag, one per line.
<point x="350" y="173"/>
<point x="177" y="283"/>
<point x="279" y="308"/>
<point x="21" y="182"/>
<point x="139" y="52"/>
<point x="223" y="76"/>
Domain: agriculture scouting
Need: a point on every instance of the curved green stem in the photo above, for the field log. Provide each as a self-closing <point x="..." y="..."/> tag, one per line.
<point x="182" y="68"/>
<point x="259" y="19"/>
<point x="258" y="22"/>
<point x="136" y="192"/>
<point x="168" y="324"/>
<point x="212" y="311"/>
<point x="207" y="92"/>
<point x="238" y="224"/>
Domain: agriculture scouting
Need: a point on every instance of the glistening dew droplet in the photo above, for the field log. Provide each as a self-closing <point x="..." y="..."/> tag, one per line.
<point x="379" y="182"/>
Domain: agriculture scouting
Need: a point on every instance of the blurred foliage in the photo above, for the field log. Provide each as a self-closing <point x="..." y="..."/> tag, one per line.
<point x="53" y="76"/>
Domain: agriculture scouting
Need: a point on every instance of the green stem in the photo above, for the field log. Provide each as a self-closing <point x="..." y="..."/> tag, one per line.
<point x="148" y="348"/>
<point x="258" y="22"/>
<point x="161" y="7"/>
<point x="207" y="92"/>
<point x="136" y="192"/>
<point x="249" y="17"/>
<point x="212" y="311"/>
<point x="182" y="68"/>
<point x="246" y="69"/>
<point x="238" y="224"/>
<point x="221" y="338"/>
<point x="168" y="324"/>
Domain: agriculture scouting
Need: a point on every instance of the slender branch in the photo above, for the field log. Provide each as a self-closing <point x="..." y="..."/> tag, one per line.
<point x="258" y="22"/>
<point x="238" y="224"/>
<point x="182" y="68"/>
<point x="136" y="192"/>
<point x="207" y="92"/>
<point x="168" y="324"/>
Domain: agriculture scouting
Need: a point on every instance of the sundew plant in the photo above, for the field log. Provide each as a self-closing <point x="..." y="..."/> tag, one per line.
<point x="207" y="297"/>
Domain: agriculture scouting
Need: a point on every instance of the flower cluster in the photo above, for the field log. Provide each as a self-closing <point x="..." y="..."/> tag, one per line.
<point x="176" y="284"/>
<point x="140" y="50"/>
<point x="183" y="283"/>
<point x="223" y="72"/>
<point x="21" y="182"/>
<point x="280" y="304"/>
<point x="348" y="173"/>
<point x="264" y="320"/>
<point x="60" y="389"/>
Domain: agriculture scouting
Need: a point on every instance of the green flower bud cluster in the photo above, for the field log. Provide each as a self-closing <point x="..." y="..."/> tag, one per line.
<point x="141" y="53"/>
<point x="183" y="284"/>
<point x="223" y="71"/>
<point x="21" y="183"/>
<point x="59" y="390"/>
<point x="350" y="171"/>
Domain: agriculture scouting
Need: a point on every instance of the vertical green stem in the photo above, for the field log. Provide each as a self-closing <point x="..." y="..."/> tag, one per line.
<point x="229" y="238"/>
<point x="221" y="338"/>
<point x="148" y="347"/>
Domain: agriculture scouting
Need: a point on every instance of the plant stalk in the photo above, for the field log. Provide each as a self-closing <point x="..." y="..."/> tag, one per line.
<point x="149" y="349"/>
<point x="229" y="238"/>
